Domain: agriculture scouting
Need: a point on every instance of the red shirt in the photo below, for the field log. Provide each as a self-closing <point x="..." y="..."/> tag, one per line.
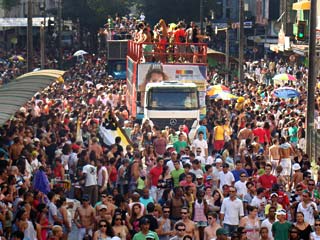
<point x="260" y="133"/>
<point x="267" y="181"/>
<point x="155" y="173"/>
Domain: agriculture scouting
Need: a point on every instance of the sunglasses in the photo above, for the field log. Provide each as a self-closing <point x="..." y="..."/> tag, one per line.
<point x="183" y="212"/>
<point x="181" y="229"/>
<point x="317" y="225"/>
<point x="166" y="211"/>
<point x="117" y="219"/>
<point x="243" y="176"/>
<point x="294" y="232"/>
<point x="310" y="184"/>
<point x="103" y="226"/>
<point x="103" y="196"/>
<point x="232" y="191"/>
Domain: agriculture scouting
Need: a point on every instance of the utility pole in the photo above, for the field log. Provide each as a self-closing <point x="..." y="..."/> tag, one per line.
<point x="59" y="33"/>
<point x="42" y="47"/>
<point x="311" y="77"/>
<point x="201" y="17"/>
<point x="227" y="57"/>
<point x="29" y="38"/>
<point x="43" y="35"/>
<point x="241" y="38"/>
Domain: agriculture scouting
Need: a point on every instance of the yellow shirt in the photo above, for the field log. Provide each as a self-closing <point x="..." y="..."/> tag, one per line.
<point x="219" y="133"/>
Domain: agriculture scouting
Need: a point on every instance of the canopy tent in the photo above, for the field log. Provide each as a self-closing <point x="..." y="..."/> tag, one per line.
<point x="16" y="93"/>
<point x="302" y="5"/>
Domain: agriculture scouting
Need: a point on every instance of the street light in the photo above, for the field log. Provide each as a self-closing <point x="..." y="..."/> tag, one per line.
<point x="227" y="54"/>
<point x="42" y="8"/>
<point x="29" y="38"/>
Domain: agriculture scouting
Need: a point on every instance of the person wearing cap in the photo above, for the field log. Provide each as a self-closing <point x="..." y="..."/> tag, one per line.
<point x="222" y="234"/>
<point x="225" y="177"/>
<point x="84" y="217"/>
<point x="274" y="203"/>
<point x="297" y="176"/>
<point x="145" y="233"/>
<point x="280" y="229"/>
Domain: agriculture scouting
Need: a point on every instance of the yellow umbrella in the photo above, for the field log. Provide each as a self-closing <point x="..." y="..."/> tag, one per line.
<point x="224" y="96"/>
<point x="302" y="5"/>
<point x="17" y="58"/>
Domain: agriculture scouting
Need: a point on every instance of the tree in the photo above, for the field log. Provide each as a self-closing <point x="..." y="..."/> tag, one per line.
<point x="8" y="4"/>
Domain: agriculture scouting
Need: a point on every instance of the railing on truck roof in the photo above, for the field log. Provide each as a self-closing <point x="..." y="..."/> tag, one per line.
<point x="186" y="53"/>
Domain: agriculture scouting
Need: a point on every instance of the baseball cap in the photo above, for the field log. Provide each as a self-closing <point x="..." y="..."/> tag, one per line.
<point x="221" y="231"/>
<point x="85" y="197"/>
<point x="199" y="176"/>
<point x="102" y="206"/>
<point x="150" y="235"/>
<point x="273" y="194"/>
<point x="281" y="212"/>
<point x="225" y="165"/>
<point x="296" y="167"/>
<point x="218" y="160"/>
<point x="209" y="177"/>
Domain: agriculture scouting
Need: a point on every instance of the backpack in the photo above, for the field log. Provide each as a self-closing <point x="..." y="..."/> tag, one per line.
<point x="182" y="39"/>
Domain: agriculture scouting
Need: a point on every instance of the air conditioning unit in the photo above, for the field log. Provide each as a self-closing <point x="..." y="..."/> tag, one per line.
<point x="275" y="28"/>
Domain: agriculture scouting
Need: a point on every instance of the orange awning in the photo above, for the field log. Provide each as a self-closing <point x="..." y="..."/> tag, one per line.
<point x="302" y="5"/>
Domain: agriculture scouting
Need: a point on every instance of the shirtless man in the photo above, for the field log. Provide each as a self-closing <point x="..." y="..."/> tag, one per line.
<point x="190" y="225"/>
<point x="210" y="231"/>
<point x="274" y="155"/>
<point x="106" y="201"/>
<point x="96" y="147"/>
<point x="84" y="218"/>
<point x="16" y="148"/>
<point x="286" y="152"/>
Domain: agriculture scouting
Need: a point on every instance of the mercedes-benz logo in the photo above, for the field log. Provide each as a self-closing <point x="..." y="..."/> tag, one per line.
<point x="173" y="121"/>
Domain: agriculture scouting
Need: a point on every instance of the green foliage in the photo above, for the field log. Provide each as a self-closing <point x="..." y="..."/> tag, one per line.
<point x="174" y="10"/>
<point x="93" y="13"/>
<point x="8" y="4"/>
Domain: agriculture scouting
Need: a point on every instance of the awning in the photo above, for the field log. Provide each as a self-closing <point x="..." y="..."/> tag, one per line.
<point x="302" y="5"/>
<point x="16" y="93"/>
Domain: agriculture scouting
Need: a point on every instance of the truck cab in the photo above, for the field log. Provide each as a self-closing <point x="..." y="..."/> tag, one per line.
<point x="171" y="103"/>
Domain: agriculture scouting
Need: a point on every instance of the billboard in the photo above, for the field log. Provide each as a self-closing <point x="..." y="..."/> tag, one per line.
<point x="157" y="72"/>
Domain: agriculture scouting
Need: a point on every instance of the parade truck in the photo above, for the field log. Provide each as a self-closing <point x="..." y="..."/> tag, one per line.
<point x="116" y="58"/>
<point x="164" y="85"/>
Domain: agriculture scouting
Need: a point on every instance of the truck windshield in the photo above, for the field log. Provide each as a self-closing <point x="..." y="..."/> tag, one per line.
<point x="172" y="99"/>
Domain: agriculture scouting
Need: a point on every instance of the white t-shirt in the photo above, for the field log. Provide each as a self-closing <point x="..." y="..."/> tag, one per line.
<point x="100" y="176"/>
<point x="308" y="212"/>
<point x="200" y="144"/>
<point x="266" y="223"/>
<point x="257" y="202"/>
<point x="232" y="211"/>
<point x="241" y="188"/>
<point x="91" y="175"/>
<point x="225" y="178"/>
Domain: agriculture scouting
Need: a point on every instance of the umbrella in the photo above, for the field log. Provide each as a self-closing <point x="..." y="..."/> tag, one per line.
<point x="79" y="53"/>
<point x="212" y="90"/>
<point x="17" y="58"/>
<point x="284" y="77"/>
<point x="224" y="96"/>
<point x="286" y="92"/>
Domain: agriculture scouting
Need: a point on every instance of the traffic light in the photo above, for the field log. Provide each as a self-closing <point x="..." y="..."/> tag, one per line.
<point x="51" y="26"/>
<point x="301" y="33"/>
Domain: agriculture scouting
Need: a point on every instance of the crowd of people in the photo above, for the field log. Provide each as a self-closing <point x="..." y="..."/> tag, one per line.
<point x="245" y="175"/>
